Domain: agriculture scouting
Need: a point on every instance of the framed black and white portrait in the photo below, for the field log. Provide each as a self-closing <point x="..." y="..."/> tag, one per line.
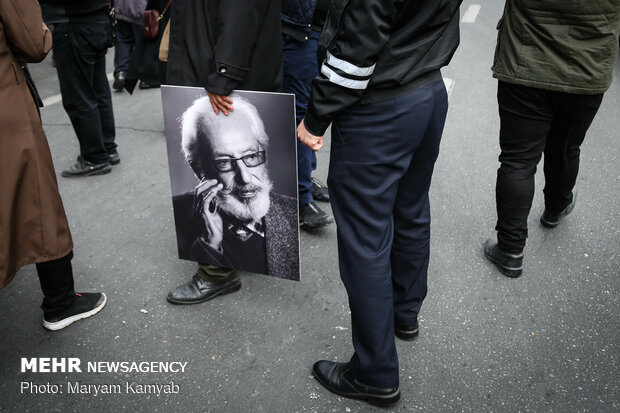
<point x="234" y="180"/>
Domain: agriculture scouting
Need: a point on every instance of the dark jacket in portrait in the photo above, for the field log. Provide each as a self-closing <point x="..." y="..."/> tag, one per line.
<point x="276" y="254"/>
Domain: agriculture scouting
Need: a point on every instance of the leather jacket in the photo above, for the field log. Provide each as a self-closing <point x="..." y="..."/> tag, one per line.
<point x="374" y="50"/>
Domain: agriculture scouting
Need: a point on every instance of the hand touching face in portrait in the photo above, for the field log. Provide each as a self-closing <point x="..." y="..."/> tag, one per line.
<point x="205" y="206"/>
<point x="228" y="154"/>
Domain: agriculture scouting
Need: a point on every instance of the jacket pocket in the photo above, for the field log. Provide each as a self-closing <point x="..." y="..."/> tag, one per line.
<point x="500" y="25"/>
<point x="337" y="135"/>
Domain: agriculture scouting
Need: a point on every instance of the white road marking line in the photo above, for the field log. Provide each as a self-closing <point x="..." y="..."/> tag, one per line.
<point x="449" y="84"/>
<point x="52" y="100"/>
<point x="471" y="13"/>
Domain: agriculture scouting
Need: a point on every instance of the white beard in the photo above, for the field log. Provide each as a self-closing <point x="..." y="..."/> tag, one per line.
<point x="252" y="209"/>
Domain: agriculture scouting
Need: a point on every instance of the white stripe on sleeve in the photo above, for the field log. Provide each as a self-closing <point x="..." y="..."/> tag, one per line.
<point x="342" y="81"/>
<point x="347" y="67"/>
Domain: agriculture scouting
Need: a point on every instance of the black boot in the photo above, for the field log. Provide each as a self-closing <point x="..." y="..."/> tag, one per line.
<point x="550" y="220"/>
<point x="511" y="265"/>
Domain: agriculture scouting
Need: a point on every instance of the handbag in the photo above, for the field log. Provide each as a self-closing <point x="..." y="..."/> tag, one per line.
<point x="150" y="22"/>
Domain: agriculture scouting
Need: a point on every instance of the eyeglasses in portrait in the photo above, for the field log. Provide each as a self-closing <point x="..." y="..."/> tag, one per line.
<point x="234" y="180"/>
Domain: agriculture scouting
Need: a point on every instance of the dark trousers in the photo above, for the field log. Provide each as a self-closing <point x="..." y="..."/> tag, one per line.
<point x="126" y="34"/>
<point x="532" y="122"/>
<point x="382" y="159"/>
<point x="300" y="67"/>
<point x="79" y="49"/>
<point x="56" y="278"/>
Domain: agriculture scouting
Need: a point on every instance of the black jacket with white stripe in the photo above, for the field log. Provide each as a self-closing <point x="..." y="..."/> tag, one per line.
<point x="374" y="50"/>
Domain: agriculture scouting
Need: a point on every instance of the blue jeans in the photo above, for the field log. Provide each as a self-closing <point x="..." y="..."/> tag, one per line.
<point x="300" y="67"/>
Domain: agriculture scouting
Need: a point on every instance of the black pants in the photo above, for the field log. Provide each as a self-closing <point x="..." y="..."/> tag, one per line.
<point x="56" y="278"/>
<point x="79" y="50"/>
<point x="380" y="168"/>
<point x="532" y="122"/>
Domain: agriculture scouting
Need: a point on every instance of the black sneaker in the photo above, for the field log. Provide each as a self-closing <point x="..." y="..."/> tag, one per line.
<point x="550" y="220"/>
<point x="511" y="265"/>
<point x="405" y="332"/>
<point x="319" y="191"/>
<point x="85" y="168"/>
<point x="114" y="157"/>
<point x="84" y="305"/>
<point x="311" y="216"/>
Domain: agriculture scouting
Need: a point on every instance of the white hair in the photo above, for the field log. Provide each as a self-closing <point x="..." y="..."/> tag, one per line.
<point x="199" y="122"/>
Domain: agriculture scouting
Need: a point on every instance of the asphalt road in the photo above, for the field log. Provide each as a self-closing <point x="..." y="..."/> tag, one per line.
<point x="545" y="342"/>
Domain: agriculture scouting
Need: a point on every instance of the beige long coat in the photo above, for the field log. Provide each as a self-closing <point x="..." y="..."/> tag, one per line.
<point x="33" y="225"/>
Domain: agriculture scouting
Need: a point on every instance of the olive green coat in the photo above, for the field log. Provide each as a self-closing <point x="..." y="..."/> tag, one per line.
<point x="565" y="46"/>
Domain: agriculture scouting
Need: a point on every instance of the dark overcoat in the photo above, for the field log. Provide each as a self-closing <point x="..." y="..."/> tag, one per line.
<point x="223" y="45"/>
<point x="33" y="225"/>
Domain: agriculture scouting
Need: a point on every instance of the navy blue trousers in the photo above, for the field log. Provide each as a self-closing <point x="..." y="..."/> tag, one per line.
<point x="126" y="35"/>
<point x="300" y="67"/>
<point x="382" y="159"/>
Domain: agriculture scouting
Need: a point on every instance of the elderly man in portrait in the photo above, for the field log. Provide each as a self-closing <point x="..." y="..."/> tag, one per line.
<point x="232" y="218"/>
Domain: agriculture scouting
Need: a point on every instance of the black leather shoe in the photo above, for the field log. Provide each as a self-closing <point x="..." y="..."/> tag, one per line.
<point x="144" y="85"/>
<point x="550" y="220"/>
<point x="338" y="379"/>
<point x="319" y="191"/>
<point x="405" y="332"/>
<point x="311" y="216"/>
<point x="114" y="157"/>
<point x="85" y="168"/>
<point x="198" y="290"/>
<point x="511" y="265"/>
<point x="119" y="80"/>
